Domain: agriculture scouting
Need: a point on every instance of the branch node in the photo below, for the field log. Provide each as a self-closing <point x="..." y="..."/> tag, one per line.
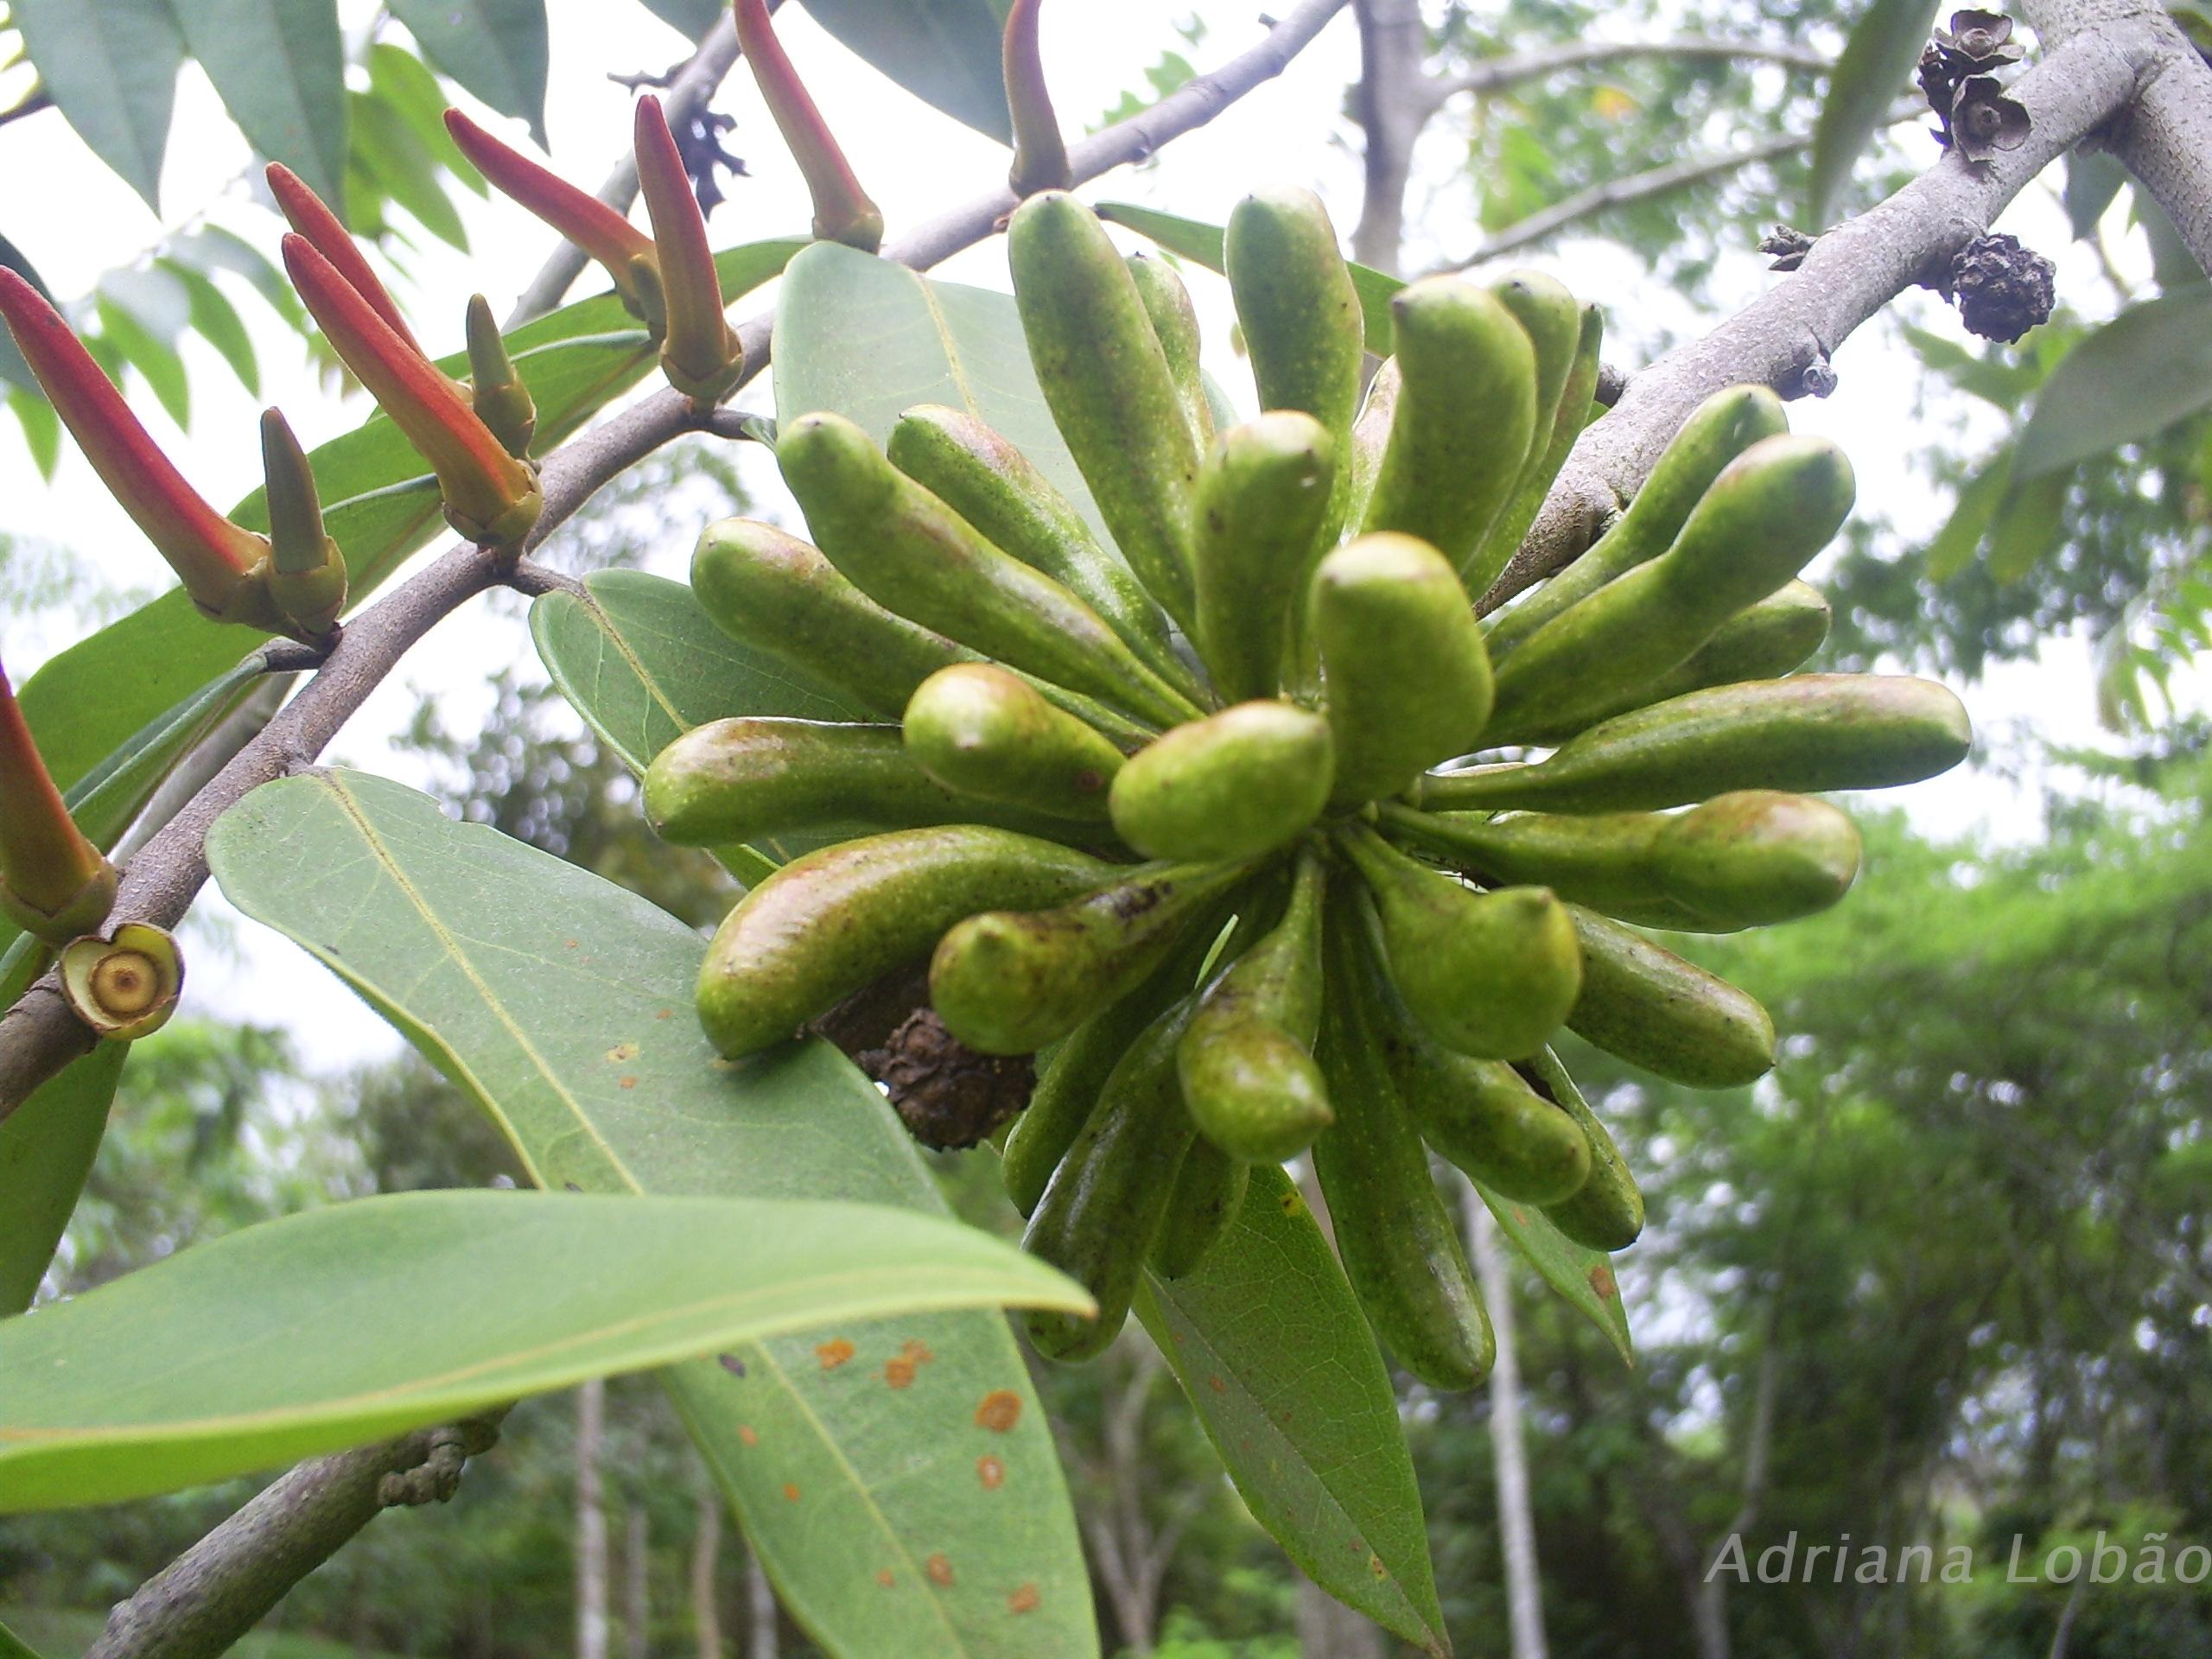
<point x="1813" y="376"/>
<point x="437" y="1477"/>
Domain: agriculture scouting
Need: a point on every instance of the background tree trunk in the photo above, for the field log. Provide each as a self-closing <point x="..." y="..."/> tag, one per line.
<point x="760" y="1643"/>
<point x="637" y="1599"/>
<point x="706" y="1551"/>
<point x="1524" y="1595"/>
<point x="591" y="1523"/>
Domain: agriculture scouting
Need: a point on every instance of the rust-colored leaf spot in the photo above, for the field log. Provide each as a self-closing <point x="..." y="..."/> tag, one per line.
<point x="990" y="1471"/>
<point x="622" y="1051"/>
<point x="834" y="1353"/>
<point x="1601" y="1280"/>
<point x="898" y="1371"/>
<point x="917" y="1351"/>
<point x="1291" y="1201"/>
<point x="748" y="1435"/>
<point x="939" y="1569"/>
<point x="1000" y="1410"/>
<point x="885" y="1577"/>
<point x="732" y="1363"/>
<point x="1023" y="1600"/>
<point x="1374" y="1565"/>
<point x="790" y="1493"/>
<point x="1216" y="1384"/>
<point x="1520" y="1217"/>
<point x="627" y="1083"/>
<point x="665" y="1013"/>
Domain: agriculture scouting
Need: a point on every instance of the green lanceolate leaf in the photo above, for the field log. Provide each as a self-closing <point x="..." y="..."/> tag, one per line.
<point x="216" y="321"/>
<point x="496" y="49"/>
<point x="1584" y="1277"/>
<point x="869" y="339"/>
<point x="944" y="52"/>
<point x="14" y="1647"/>
<point x="690" y="18"/>
<point x="563" y="1005"/>
<point x="110" y="69"/>
<point x="1203" y="243"/>
<point x="1875" y="67"/>
<point x="280" y="68"/>
<point x="1276" y="1357"/>
<point x="377" y="502"/>
<point x="2148" y="367"/>
<point x="364" y="1319"/>
<point x="46" y="1151"/>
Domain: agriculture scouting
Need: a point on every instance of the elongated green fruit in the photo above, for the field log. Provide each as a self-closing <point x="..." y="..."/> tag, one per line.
<point x="1229" y="786"/>
<point x="1407" y="679"/>
<point x="825" y="925"/>
<point x="1808" y="733"/>
<point x="1764" y="519"/>
<point x="1398" y="1243"/>
<point x="1763" y="642"/>
<point x="1749" y="859"/>
<point x="1175" y="324"/>
<point x="1607" y="1212"/>
<point x="1246" y="1062"/>
<point x="778" y="593"/>
<point x="1489" y="974"/>
<point x="1553" y="443"/>
<point x="732" y="781"/>
<point x="1552" y="318"/>
<point x="1483" y="1117"/>
<point x="1209" y="1191"/>
<point x="1718" y="429"/>
<point x="1263" y="507"/>
<point x="1071" y="1079"/>
<point x="1008" y="981"/>
<point x="1300" y="316"/>
<point x="991" y="484"/>
<point x="908" y="551"/>
<point x="1371" y="437"/>
<point x="1105" y="1203"/>
<point x="1465" y="413"/>
<point x="1107" y="382"/>
<point x="976" y="728"/>
<point x="1653" y="1010"/>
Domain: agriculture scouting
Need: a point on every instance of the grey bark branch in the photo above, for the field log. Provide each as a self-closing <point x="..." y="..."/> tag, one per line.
<point x="1499" y="72"/>
<point x="1851" y="273"/>
<point x="39" y="1035"/>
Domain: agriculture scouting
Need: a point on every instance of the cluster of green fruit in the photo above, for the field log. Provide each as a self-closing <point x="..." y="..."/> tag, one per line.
<point x="1172" y="817"/>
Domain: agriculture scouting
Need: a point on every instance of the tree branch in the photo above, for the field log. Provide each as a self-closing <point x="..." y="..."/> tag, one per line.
<point x="1393" y="103"/>
<point x="1495" y="74"/>
<point x="1851" y="273"/>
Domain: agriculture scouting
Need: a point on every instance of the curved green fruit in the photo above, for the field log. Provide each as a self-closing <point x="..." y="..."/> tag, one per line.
<point x="1209" y="1191"/>
<point x="1763" y="642"/>
<point x="1263" y="505"/>
<point x="776" y="592"/>
<point x="1653" y="1010"/>
<point x="1371" y="437"/>
<point x="826" y="925"/>
<point x="1008" y="981"/>
<point x="1175" y="325"/>
<point x="1105" y="1203"/>
<point x="1484" y="1118"/>
<point x="732" y="781"/>
<point x="1607" y="1212"/>
<point x="1250" y="1081"/>
<point x="1489" y="974"/>
<point x="1768" y="512"/>
<point x="1807" y="733"/>
<point x="1107" y="381"/>
<point x="1554" y="441"/>
<point x="1227" y="787"/>
<point x="976" y="728"/>
<point x="1466" y="411"/>
<point x="1300" y="316"/>
<point x="1718" y="429"/>
<point x="908" y="551"/>
<point x="991" y="484"/>
<point x="1399" y="1244"/>
<point x="1407" y="678"/>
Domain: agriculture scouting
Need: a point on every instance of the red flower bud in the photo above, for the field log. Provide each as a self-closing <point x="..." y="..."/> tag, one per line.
<point x="214" y="558"/>
<point x="843" y="212"/>
<point x="306" y="213"/>
<point x="54" y="883"/>
<point x="700" y="352"/>
<point x="490" y="496"/>
<point x="582" y="218"/>
<point x="1041" y="157"/>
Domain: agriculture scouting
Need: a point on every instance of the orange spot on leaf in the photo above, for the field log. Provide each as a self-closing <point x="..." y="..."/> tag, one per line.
<point x="622" y="1051"/>
<point x="1216" y="1384"/>
<point x="884" y="1577"/>
<point x="917" y="1351"/>
<point x="746" y="1433"/>
<point x="1601" y="1280"/>
<point x="898" y="1371"/>
<point x="627" y="1083"/>
<point x="990" y="1471"/>
<point x="665" y="1013"/>
<point x="834" y="1353"/>
<point x="790" y="1492"/>
<point x="939" y="1569"/>
<point x="1023" y="1600"/>
<point x="1000" y="1411"/>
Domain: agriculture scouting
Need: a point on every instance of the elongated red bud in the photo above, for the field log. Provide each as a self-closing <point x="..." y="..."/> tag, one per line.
<point x="843" y="212"/>
<point x="55" y="884"/>
<point x="700" y="352"/>
<point x="308" y="213"/>
<point x="214" y="557"/>
<point x="490" y="496"/>
<point x="577" y="214"/>
<point x="307" y="573"/>
<point x="1041" y="157"/>
<point x="495" y="390"/>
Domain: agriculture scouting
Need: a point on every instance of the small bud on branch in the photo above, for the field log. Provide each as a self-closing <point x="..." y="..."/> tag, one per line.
<point x="125" y="987"/>
<point x="307" y="572"/>
<point x="55" y="884"/>
<point x="495" y="390"/>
